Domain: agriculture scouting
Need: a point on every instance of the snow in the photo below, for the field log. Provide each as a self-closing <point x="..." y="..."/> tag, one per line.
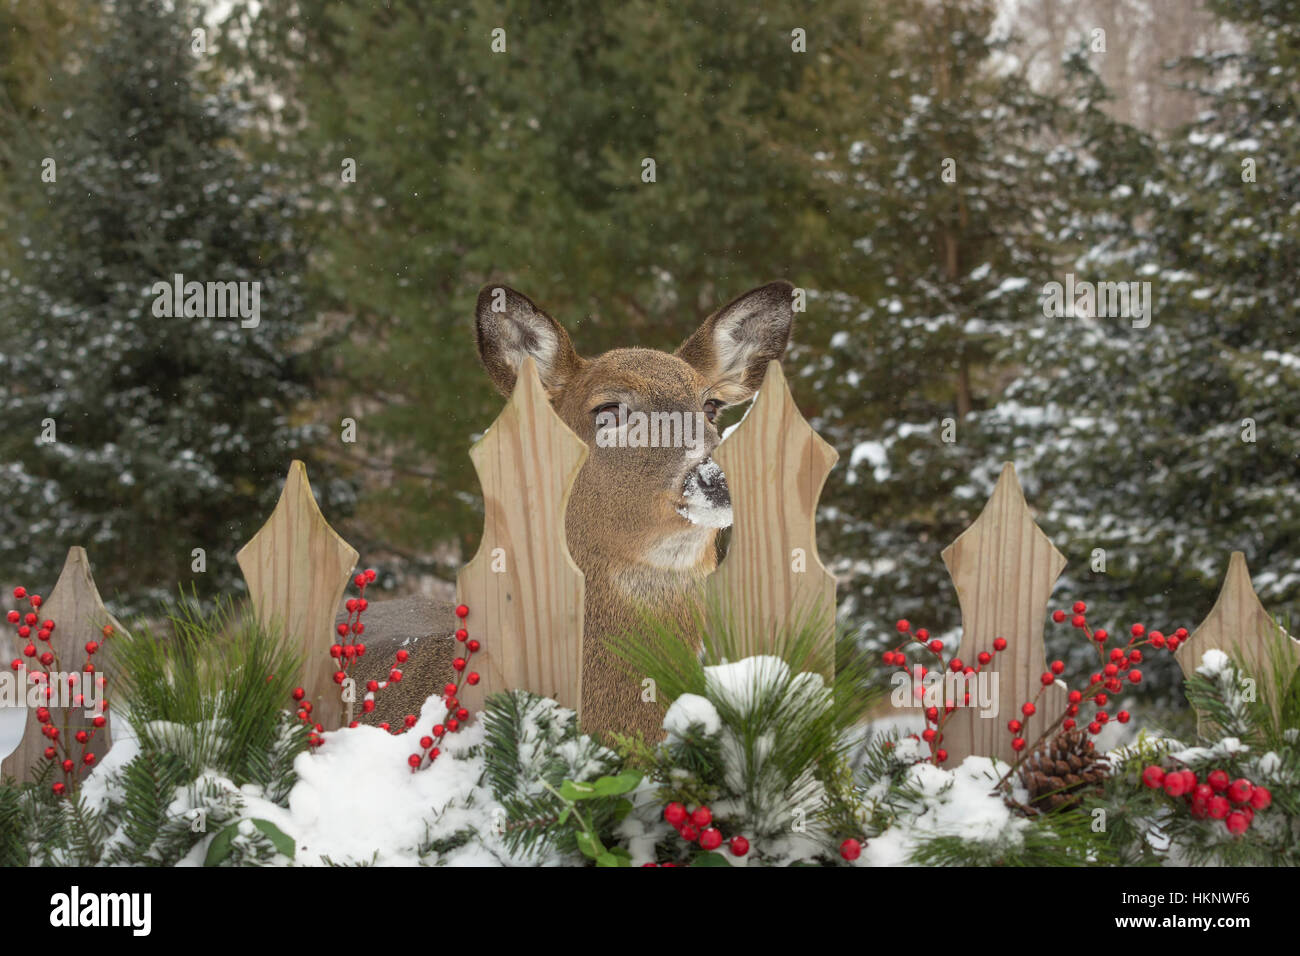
<point x="959" y="802"/>
<point x="689" y="710"/>
<point x="1213" y="662"/>
<point x="356" y="799"/>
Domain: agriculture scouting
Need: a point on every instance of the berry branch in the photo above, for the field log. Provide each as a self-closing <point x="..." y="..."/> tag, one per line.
<point x="71" y="751"/>
<point x="430" y="743"/>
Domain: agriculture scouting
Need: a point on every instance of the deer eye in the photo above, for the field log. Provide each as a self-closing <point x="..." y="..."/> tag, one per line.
<point x="711" y="409"/>
<point x="610" y="409"/>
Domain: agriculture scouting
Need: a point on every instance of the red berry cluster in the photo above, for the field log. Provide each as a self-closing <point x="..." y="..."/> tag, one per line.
<point x="348" y="654"/>
<point x="71" y="760"/>
<point x="430" y="748"/>
<point x="1119" y="666"/>
<point x="935" y="717"/>
<point x="1218" y="797"/>
<point x="696" y="826"/>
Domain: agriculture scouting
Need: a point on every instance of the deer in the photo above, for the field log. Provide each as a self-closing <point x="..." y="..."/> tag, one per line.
<point x="643" y="517"/>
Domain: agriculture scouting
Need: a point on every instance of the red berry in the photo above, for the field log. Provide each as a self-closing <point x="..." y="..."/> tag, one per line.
<point x="453" y="725"/>
<point x="1123" y="716"/>
<point x="1058" y="616"/>
<point x="985" y="657"/>
<point x="1094" y="728"/>
<point x="1018" y="744"/>
<point x="1218" y="807"/>
<point x="402" y="656"/>
<point x="1138" y="630"/>
<point x="941" y="755"/>
<point x="473" y="646"/>
<point x="739" y="846"/>
<point x="1175" y="784"/>
<point x="1080" y="607"/>
<point x="710" y="838"/>
<point x="1260" y="798"/>
<point x="1075" y="696"/>
<point x="1015" y="726"/>
<point x="1240" y="790"/>
<point x="59" y="789"/>
<point x="1079" y="621"/>
<point x="462" y="714"/>
<point x="999" y="644"/>
<point x="395" y="676"/>
<point x="459" y="663"/>
<point x="903" y="625"/>
<point x="370" y="575"/>
<point x="1237" y="823"/>
<point x="462" y="611"/>
<point x="1157" y="639"/>
<point x="472" y="678"/>
<point x="1134" y="676"/>
<point x="1028" y="710"/>
<point x="675" y="813"/>
<point x="336" y="650"/>
<point x="1058" y="667"/>
<point x="1046" y="679"/>
<point x="449" y="690"/>
<point x="689" y="833"/>
<point x="922" y="634"/>
<point x="1100" y="635"/>
<point x="850" y="849"/>
<point x="414" y="760"/>
<point x="20" y="593"/>
<point x="1067" y="724"/>
<point x="1219" y="780"/>
<point x="299" y="693"/>
<point x="1153" y="777"/>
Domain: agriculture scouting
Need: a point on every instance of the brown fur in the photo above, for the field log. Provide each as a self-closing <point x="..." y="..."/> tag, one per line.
<point x="622" y="523"/>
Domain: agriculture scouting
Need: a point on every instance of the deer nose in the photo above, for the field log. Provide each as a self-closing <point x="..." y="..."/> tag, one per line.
<point x="712" y="482"/>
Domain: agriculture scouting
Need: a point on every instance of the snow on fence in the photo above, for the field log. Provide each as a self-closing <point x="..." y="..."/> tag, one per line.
<point x="525" y="594"/>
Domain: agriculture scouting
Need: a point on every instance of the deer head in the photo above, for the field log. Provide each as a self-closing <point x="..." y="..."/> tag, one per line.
<point x="647" y="505"/>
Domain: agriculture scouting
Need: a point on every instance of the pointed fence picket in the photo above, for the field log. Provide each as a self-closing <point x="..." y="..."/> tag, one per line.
<point x="1004" y="568"/>
<point x="522" y="589"/>
<point x="1239" y="626"/>
<point x="297" y="567"/>
<point x="772" y="579"/>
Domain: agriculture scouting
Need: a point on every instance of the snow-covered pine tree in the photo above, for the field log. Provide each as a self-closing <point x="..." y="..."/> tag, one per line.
<point x="169" y="433"/>
<point x="1162" y="449"/>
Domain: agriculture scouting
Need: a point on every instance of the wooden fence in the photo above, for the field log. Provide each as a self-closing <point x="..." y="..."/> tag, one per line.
<point x="526" y="595"/>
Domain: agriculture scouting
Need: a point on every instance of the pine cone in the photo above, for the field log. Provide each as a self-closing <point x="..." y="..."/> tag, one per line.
<point x="1062" y="771"/>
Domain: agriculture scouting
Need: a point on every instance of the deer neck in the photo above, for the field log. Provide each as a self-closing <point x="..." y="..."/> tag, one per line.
<point x="661" y="577"/>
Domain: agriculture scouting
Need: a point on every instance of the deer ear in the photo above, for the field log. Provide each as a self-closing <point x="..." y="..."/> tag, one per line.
<point x="511" y="328"/>
<point x="733" y="346"/>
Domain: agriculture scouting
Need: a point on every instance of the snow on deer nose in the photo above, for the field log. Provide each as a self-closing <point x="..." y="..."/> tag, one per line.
<point x="707" y="502"/>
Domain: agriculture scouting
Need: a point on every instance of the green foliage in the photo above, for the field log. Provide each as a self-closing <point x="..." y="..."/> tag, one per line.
<point x="246" y="840"/>
<point x="540" y="768"/>
<point x="211" y="693"/>
<point x="207" y="704"/>
<point x="171" y="433"/>
<point x="762" y="741"/>
<point x="1241" y="733"/>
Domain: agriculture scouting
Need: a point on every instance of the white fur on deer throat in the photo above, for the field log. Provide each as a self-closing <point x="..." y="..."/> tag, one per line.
<point x="681" y="551"/>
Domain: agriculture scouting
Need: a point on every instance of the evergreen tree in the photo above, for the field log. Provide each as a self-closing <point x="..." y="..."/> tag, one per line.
<point x="1163" y="448"/>
<point x="169" y="433"/>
